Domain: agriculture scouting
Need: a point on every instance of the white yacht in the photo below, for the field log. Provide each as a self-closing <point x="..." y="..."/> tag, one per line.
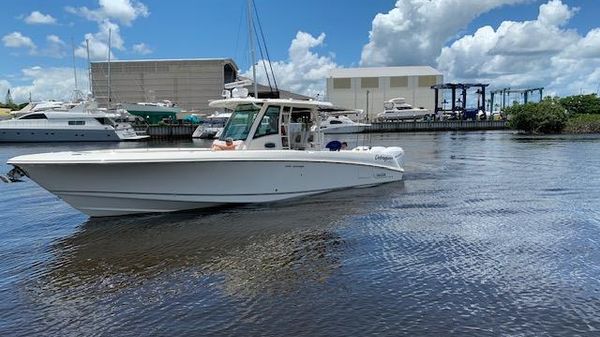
<point x="278" y="155"/>
<point x="38" y="107"/>
<point x="398" y="109"/>
<point x="66" y="126"/>
<point x="213" y="125"/>
<point x="342" y="124"/>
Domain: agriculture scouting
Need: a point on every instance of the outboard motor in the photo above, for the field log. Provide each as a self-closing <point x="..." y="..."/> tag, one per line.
<point x="13" y="175"/>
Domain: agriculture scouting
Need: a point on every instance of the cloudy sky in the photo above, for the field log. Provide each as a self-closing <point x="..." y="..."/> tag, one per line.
<point x="516" y="43"/>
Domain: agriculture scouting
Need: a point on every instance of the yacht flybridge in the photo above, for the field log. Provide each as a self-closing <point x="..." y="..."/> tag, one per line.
<point x="278" y="155"/>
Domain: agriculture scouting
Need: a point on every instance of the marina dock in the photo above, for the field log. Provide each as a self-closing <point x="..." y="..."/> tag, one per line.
<point x="449" y="125"/>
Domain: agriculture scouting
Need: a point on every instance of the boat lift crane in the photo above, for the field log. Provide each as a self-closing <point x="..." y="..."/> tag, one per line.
<point x="462" y="109"/>
<point x="507" y="91"/>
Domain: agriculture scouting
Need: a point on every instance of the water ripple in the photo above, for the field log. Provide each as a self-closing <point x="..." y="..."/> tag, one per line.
<point x="490" y="234"/>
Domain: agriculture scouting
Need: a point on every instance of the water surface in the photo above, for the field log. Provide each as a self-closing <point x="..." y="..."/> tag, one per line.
<point x="490" y="234"/>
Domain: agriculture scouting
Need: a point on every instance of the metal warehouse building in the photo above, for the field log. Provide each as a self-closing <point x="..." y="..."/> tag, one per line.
<point x="190" y="83"/>
<point x="354" y="87"/>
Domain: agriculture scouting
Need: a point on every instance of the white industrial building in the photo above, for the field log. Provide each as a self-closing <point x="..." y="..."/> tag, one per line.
<point x="353" y="88"/>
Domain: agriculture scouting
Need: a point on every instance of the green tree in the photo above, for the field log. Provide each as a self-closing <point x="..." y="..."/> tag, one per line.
<point x="581" y="104"/>
<point x="548" y="116"/>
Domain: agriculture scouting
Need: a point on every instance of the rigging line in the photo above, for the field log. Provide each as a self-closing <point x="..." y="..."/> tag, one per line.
<point x="260" y="49"/>
<point x="262" y="56"/>
<point x="237" y="39"/>
<point x="265" y="43"/>
<point x="263" y="59"/>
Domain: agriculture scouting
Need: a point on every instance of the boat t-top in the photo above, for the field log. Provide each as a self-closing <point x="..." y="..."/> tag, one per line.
<point x="277" y="156"/>
<point x="398" y="109"/>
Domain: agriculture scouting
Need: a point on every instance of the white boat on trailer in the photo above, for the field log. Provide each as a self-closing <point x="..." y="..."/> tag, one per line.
<point x="277" y="157"/>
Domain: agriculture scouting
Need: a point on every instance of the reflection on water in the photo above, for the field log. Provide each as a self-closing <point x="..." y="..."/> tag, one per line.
<point x="490" y="234"/>
<point x="263" y="245"/>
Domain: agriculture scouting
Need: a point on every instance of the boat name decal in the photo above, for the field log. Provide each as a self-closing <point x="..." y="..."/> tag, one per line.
<point x="384" y="158"/>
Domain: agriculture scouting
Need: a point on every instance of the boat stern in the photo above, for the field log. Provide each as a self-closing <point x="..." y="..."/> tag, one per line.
<point x="389" y="156"/>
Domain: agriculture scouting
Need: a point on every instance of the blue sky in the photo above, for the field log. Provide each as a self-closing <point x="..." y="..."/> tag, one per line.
<point x="407" y="32"/>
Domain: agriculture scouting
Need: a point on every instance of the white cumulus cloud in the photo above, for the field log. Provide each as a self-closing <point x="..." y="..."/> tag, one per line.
<point x="538" y="52"/>
<point x="45" y="83"/>
<point x="98" y="42"/>
<point x="415" y="31"/>
<point x="56" y="47"/>
<point x="304" y="71"/>
<point x="38" y="18"/>
<point x="18" y="40"/>
<point x="142" y="49"/>
<point x="124" y="11"/>
<point x="108" y="15"/>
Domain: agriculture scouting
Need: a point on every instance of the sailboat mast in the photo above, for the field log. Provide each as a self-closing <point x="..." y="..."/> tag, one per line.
<point x="252" y="48"/>
<point x="74" y="69"/>
<point x="108" y="101"/>
<point x="87" y="48"/>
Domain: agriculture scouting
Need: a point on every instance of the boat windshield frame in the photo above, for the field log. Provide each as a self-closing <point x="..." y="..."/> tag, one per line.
<point x="240" y="123"/>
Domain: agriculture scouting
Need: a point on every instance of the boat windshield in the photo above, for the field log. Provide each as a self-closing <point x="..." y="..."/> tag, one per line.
<point x="240" y="122"/>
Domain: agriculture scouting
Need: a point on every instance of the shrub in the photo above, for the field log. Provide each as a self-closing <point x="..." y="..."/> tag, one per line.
<point x="547" y="116"/>
<point x="581" y="104"/>
<point x="586" y="123"/>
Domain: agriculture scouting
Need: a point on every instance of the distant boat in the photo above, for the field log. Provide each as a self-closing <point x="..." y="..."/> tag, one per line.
<point x="398" y="109"/>
<point x="153" y="112"/>
<point x="342" y="124"/>
<point x="213" y="125"/>
<point x="75" y="125"/>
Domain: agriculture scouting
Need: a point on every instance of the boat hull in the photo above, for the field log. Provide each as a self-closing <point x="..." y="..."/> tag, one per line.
<point x="113" y="189"/>
<point x="407" y="115"/>
<point x="56" y="135"/>
<point x="345" y="129"/>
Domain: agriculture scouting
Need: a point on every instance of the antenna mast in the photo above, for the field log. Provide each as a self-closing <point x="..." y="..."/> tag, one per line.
<point x="252" y="48"/>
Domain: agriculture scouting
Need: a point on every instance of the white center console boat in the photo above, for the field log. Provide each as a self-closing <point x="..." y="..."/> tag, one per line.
<point x="278" y="155"/>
